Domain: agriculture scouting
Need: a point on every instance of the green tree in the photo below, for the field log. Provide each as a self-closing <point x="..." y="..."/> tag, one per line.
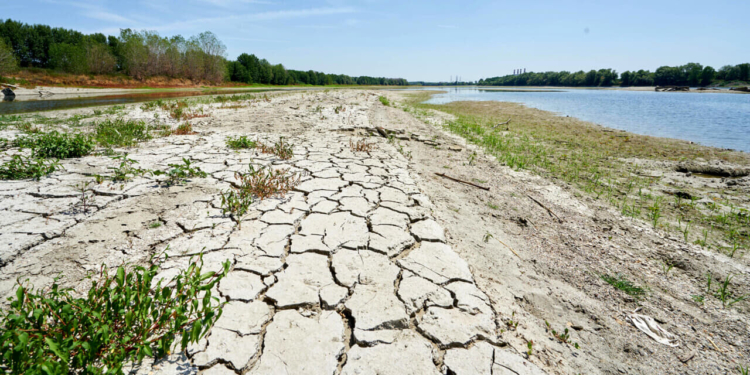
<point x="8" y="62"/>
<point x="68" y="58"/>
<point x="707" y="76"/>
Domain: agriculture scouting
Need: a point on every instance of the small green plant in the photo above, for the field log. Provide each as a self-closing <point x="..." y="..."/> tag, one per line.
<point x="126" y="171"/>
<point x="529" y="347"/>
<point x="563" y="337"/>
<point x="654" y="211"/>
<point x="57" y="145"/>
<point x="240" y="142"/>
<point x="621" y="283"/>
<point x="125" y="316"/>
<point x="725" y="296"/>
<point x="698" y="298"/>
<point x="743" y="370"/>
<point x="121" y="133"/>
<point x="666" y="266"/>
<point x="472" y="157"/>
<point x="493" y="206"/>
<point x="179" y="173"/>
<point x="86" y="197"/>
<point x="154" y="224"/>
<point x="510" y="323"/>
<point x="20" y="167"/>
<point x="384" y="100"/>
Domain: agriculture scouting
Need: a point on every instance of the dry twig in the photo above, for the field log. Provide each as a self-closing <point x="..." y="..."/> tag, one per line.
<point x="443" y="175"/>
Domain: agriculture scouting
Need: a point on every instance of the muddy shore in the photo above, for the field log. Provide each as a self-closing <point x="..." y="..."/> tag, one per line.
<point x="535" y="246"/>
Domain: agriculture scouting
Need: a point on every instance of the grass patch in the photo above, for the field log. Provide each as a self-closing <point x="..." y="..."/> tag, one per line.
<point x="623" y="284"/>
<point x="283" y="150"/>
<point x="597" y="162"/>
<point x="121" y="133"/>
<point x="241" y="142"/>
<point x="20" y="167"/>
<point x="384" y="100"/>
<point x="57" y="145"/>
<point x="125" y="316"/>
<point x="258" y="184"/>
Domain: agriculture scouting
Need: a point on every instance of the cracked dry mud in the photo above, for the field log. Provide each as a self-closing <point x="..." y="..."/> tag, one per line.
<point x="347" y="274"/>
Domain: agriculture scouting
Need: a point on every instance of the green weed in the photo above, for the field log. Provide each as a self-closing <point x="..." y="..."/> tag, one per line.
<point x="621" y="283"/>
<point x="124" y="317"/>
<point x="20" y="167"/>
<point x="241" y="142"/>
<point x="179" y="173"/>
<point x="384" y="100"/>
<point x="57" y="145"/>
<point x="121" y="133"/>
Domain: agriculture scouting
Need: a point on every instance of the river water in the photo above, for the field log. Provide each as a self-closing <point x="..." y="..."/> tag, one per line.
<point x="712" y="119"/>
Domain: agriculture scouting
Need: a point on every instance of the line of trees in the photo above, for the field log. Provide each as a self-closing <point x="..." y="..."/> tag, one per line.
<point x="143" y="54"/>
<point x="691" y="74"/>
<point x="251" y="69"/>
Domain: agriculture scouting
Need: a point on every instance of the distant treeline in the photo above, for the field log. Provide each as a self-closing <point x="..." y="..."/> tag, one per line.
<point x="143" y="54"/>
<point x="691" y="74"/>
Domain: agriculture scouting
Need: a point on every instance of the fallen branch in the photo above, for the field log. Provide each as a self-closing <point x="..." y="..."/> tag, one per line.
<point x="511" y="249"/>
<point x="443" y="175"/>
<point x="545" y="207"/>
<point x="502" y="123"/>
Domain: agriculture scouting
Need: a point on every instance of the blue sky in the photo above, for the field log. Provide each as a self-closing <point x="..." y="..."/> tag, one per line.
<point x="430" y="40"/>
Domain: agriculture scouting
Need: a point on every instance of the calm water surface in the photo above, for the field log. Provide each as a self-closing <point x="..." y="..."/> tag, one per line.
<point x="716" y="119"/>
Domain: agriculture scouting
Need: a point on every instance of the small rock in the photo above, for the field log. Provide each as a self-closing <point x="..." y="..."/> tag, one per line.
<point x="455" y="148"/>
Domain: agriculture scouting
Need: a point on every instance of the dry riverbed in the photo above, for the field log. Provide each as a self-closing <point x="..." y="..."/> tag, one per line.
<point x="373" y="263"/>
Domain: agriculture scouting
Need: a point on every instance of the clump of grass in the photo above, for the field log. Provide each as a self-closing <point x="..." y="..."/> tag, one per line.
<point x="283" y="150"/>
<point x="125" y="316"/>
<point x="184" y="129"/>
<point x="121" y="133"/>
<point x="127" y="170"/>
<point x="20" y="167"/>
<point x="361" y="146"/>
<point x="241" y="142"/>
<point x="724" y="295"/>
<point x="27" y="127"/>
<point x="623" y="284"/>
<point x="259" y="183"/>
<point x="384" y="100"/>
<point x="57" y="145"/>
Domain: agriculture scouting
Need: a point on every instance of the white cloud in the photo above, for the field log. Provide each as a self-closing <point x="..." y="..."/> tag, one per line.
<point x="261" y="16"/>
<point x="107" y="16"/>
<point x="447" y="26"/>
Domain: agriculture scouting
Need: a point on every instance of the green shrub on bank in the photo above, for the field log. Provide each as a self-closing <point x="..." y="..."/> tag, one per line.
<point x="121" y="133"/>
<point x="57" y="145"/>
<point x="122" y="318"/>
<point x="384" y="100"/>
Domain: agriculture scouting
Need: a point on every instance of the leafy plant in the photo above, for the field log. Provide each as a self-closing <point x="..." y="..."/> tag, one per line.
<point x="241" y="142"/>
<point x="179" y="173"/>
<point x="87" y="195"/>
<point x="563" y="337"/>
<point x="743" y="370"/>
<point x="666" y="267"/>
<point x="121" y="133"/>
<point x="529" y="347"/>
<point x="698" y="298"/>
<point x="125" y="316"/>
<point x="20" y="167"/>
<point x="621" y="283"/>
<point x="184" y="129"/>
<point x="384" y="100"/>
<point x="57" y="145"/>
<point x="126" y="170"/>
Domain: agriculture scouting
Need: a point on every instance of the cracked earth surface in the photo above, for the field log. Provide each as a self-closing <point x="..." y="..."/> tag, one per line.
<point x="347" y="274"/>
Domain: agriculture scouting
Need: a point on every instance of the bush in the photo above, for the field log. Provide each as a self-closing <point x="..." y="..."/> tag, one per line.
<point x="19" y="168"/>
<point x="384" y="100"/>
<point x="57" y="145"/>
<point x="240" y="142"/>
<point x="121" y="133"/>
<point x="122" y="318"/>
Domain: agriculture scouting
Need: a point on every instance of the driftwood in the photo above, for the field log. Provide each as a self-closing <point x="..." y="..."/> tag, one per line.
<point x="672" y="88"/>
<point x="545" y="207"/>
<point x="9" y="85"/>
<point x="382" y="132"/>
<point x="443" y="175"/>
<point x="502" y="123"/>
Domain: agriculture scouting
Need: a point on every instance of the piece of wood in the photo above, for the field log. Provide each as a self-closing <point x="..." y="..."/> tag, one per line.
<point x="382" y="132"/>
<point x="502" y="123"/>
<point x="545" y="207"/>
<point x="443" y="175"/>
<point x="511" y="249"/>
